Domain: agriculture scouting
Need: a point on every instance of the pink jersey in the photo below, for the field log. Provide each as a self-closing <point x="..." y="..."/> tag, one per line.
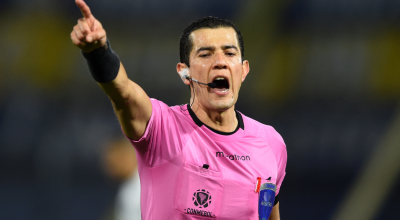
<point x="188" y="171"/>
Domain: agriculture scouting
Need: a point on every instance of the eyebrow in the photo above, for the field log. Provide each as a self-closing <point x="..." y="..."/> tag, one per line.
<point x="225" y="47"/>
<point x="212" y="48"/>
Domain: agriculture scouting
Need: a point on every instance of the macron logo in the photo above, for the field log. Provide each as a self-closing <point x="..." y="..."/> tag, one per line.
<point x="232" y="156"/>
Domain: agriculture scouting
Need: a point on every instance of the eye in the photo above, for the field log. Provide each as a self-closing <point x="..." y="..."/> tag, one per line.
<point x="204" y="55"/>
<point x="231" y="54"/>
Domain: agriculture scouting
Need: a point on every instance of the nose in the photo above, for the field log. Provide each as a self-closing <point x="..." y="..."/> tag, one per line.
<point x="219" y="62"/>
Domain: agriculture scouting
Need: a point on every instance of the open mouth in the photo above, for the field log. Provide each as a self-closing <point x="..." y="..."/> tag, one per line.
<point x="221" y="83"/>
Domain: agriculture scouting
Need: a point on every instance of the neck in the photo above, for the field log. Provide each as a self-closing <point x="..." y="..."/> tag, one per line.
<point x="224" y="121"/>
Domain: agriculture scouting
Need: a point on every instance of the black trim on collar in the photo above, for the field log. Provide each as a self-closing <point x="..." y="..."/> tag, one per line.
<point x="200" y="123"/>
<point x="194" y="117"/>
<point x="240" y="120"/>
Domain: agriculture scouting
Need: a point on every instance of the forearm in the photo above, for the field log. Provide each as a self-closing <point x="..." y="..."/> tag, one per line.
<point x="119" y="89"/>
<point x="132" y="105"/>
<point x="275" y="215"/>
<point x="108" y="71"/>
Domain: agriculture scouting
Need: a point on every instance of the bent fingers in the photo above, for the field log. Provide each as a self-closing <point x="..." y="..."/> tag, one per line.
<point x="84" y="26"/>
<point x="75" y="39"/>
<point x="99" y="35"/>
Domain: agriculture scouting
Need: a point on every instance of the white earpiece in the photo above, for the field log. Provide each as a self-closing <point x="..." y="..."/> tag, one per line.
<point x="184" y="74"/>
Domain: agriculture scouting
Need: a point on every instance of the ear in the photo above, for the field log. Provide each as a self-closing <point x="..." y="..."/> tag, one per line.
<point x="183" y="71"/>
<point x="245" y="69"/>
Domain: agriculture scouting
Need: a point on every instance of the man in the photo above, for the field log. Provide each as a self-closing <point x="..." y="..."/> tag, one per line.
<point x="200" y="160"/>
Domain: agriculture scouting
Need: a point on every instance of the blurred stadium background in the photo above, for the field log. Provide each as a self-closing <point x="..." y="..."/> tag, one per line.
<point x="325" y="74"/>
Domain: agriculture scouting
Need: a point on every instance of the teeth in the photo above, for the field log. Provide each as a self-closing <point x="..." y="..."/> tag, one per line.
<point x="225" y="90"/>
<point x="219" y="78"/>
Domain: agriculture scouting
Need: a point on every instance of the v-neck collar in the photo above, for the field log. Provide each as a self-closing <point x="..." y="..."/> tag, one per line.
<point x="200" y="123"/>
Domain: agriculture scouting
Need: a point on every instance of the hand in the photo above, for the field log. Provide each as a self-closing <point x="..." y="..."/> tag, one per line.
<point x="88" y="34"/>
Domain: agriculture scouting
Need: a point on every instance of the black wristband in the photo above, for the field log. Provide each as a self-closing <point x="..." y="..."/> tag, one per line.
<point x="103" y="63"/>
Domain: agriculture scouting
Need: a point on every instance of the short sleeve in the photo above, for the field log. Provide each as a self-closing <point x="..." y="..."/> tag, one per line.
<point x="280" y="152"/>
<point x="162" y="138"/>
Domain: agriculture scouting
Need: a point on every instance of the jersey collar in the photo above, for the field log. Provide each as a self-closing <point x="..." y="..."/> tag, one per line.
<point x="200" y="123"/>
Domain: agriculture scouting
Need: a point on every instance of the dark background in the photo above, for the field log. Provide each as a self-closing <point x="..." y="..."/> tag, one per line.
<point x="325" y="74"/>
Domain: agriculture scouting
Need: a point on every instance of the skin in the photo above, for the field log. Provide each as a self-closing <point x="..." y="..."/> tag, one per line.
<point x="275" y="215"/>
<point x="215" y="53"/>
<point x="131" y="104"/>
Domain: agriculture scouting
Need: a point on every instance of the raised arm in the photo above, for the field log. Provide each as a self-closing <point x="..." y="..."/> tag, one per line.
<point x="131" y="104"/>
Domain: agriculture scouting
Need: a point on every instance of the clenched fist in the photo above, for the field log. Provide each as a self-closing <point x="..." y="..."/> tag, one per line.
<point x="88" y="34"/>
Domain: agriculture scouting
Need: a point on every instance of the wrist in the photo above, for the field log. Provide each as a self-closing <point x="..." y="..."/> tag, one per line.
<point x="92" y="48"/>
<point x="103" y="63"/>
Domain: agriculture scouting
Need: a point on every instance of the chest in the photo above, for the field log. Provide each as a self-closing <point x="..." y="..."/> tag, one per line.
<point x="245" y="159"/>
<point x="220" y="177"/>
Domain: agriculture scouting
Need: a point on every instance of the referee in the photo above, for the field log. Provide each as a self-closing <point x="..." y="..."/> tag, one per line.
<point x="202" y="160"/>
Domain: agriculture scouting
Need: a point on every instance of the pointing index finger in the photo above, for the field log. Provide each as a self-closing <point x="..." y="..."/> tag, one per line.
<point x="84" y="8"/>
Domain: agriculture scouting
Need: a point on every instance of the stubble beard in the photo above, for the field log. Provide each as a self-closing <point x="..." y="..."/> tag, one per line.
<point x="223" y="104"/>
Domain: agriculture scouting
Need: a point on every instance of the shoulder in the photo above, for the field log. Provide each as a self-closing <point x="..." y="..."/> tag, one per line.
<point x="162" y="108"/>
<point x="161" y="111"/>
<point x="158" y="104"/>
<point x="270" y="136"/>
<point x="263" y="131"/>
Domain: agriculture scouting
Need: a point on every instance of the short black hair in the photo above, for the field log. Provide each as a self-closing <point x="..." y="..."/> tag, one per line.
<point x="186" y="44"/>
